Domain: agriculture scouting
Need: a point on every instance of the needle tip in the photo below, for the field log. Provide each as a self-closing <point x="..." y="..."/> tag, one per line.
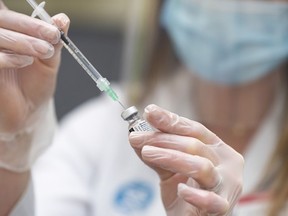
<point x="121" y="105"/>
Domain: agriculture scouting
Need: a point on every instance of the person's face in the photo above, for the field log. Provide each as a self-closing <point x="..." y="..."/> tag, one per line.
<point x="227" y="42"/>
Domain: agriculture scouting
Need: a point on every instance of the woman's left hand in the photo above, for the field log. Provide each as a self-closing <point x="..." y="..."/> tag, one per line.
<point x="200" y="174"/>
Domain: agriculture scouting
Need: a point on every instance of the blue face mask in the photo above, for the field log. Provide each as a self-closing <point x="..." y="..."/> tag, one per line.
<point x="228" y="41"/>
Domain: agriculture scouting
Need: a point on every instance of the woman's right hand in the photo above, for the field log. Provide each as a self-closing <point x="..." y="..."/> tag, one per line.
<point x="29" y="60"/>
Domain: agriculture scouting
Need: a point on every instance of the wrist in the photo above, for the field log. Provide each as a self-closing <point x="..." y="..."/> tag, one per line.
<point x="12" y="186"/>
<point x="19" y="151"/>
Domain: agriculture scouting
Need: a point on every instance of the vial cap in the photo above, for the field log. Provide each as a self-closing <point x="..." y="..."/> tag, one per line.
<point x="126" y="114"/>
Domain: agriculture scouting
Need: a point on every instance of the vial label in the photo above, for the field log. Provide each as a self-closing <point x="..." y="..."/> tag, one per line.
<point x="140" y="126"/>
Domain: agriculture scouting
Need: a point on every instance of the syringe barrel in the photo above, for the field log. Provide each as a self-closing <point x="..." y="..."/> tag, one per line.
<point x="102" y="83"/>
<point x="80" y="58"/>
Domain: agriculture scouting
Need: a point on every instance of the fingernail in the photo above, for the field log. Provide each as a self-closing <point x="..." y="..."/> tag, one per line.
<point x="50" y="52"/>
<point x="52" y="35"/>
<point x="136" y="138"/>
<point x="181" y="187"/>
<point x="63" y="22"/>
<point x="26" y="60"/>
<point x="151" y="108"/>
<point x="150" y="152"/>
<point x="155" y="115"/>
<point x="45" y="49"/>
<point x="151" y="111"/>
<point x="56" y="38"/>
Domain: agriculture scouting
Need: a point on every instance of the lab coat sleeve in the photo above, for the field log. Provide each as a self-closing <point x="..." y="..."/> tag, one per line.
<point x="25" y="206"/>
<point x="62" y="180"/>
<point x="63" y="175"/>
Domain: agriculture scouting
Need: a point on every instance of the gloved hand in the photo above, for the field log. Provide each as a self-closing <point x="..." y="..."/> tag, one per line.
<point x="29" y="60"/>
<point x="200" y="174"/>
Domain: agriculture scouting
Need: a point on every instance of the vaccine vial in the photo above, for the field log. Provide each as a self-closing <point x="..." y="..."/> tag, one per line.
<point x="136" y="123"/>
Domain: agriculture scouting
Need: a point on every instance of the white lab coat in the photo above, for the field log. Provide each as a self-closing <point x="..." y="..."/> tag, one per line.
<point x="91" y="170"/>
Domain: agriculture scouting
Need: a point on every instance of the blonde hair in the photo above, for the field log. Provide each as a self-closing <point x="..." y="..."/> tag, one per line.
<point x="277" y="170"/>
<point x="148" y="51"/>
<point x="280" y="183"/>
<point x="150" y="55"/>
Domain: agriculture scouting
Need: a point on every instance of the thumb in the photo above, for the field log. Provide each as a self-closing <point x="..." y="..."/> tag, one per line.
<point x="2" y="5"/>
<point x="62" y="21"/>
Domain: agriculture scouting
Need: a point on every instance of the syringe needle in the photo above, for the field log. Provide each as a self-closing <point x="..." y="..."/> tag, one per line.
<point x="102" y="83"/>
<point x="121" y="105"/>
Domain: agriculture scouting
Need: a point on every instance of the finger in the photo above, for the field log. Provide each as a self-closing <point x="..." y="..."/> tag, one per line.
<point x="2" y="5"/>
<point x="22" y="44"/>
<point x="200" y="169"/>
<point x="24" y="24"/>
<point x="62" y="21"/>
<point x="172" y="123"/>
<point x="184" y="144"/>
<point x="208" y="202"/>
<point x="8" y="60"/>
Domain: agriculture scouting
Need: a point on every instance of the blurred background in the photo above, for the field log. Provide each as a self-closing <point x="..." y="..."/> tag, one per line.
<point x="97" y="28"/>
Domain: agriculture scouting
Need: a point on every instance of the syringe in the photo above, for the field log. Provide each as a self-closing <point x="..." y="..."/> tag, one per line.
<point x="102" y="83"/>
